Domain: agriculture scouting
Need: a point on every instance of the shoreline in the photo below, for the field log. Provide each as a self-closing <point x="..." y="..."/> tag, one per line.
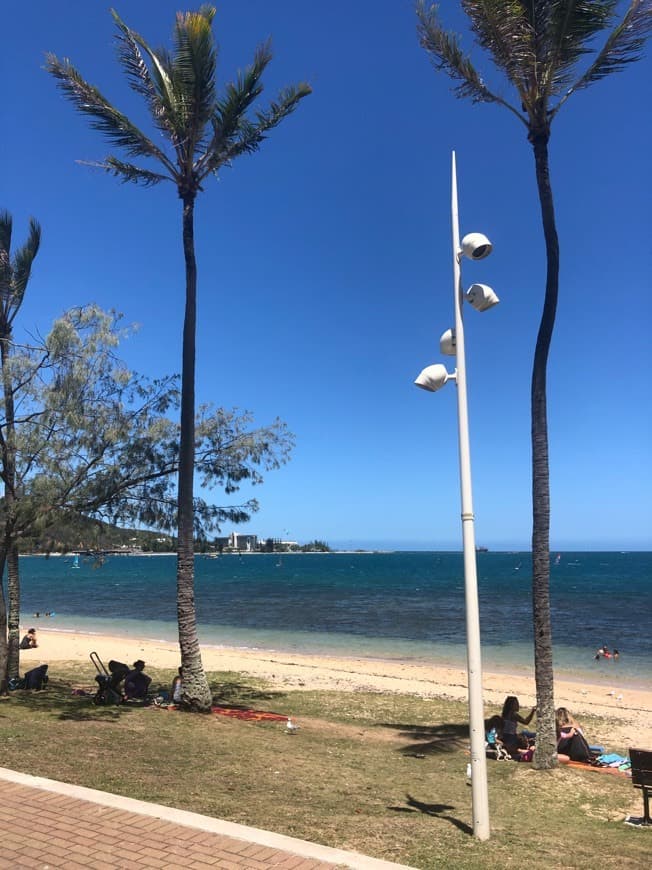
<point x="629" y="710"/>
<point x="608" y="675"/>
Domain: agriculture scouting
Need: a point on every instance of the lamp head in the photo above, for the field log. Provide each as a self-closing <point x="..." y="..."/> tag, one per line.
<point x="476" y="246"/>
<point x="481" y="297"/>
<point x="433" y="378"/>
<point x="447" y="343"/>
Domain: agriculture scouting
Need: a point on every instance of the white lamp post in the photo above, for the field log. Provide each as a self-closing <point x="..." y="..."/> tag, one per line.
<point x="475" y="246"/>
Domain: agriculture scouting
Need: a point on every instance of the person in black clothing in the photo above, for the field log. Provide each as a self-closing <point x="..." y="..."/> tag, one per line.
<point x="137" y="682"/>
<point x="29" y="641"/>
<point x="571" y="743"/>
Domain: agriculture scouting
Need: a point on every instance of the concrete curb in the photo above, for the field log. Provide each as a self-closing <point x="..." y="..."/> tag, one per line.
<point x="302" y="848"/>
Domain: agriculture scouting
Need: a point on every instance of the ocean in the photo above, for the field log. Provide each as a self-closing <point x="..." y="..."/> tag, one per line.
<point x="399" y="606"/>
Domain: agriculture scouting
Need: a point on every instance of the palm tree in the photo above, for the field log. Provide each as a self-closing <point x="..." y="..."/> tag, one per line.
<point x="14" y="276"/>
<point x="539" y="45"/>
<point x="203" y="132"/>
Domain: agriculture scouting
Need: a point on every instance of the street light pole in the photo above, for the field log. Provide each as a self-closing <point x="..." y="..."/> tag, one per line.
<point x="475" y="246"/>
<point x="480" y="794"/>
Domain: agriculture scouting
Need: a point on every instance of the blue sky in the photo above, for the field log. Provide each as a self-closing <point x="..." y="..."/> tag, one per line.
<point x="325" y="274"/>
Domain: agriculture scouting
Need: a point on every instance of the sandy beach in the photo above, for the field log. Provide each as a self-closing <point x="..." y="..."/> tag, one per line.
<point x="629" y="711"/>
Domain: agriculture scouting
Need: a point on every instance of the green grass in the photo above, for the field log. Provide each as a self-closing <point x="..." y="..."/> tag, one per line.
<point x="379" y="774"/>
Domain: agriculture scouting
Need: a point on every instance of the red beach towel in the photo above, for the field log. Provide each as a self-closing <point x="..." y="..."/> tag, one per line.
<point x="597" y="769"/>
<point x="249" y="715"/>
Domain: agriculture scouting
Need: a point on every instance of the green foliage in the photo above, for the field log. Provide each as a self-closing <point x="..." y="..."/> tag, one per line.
<point x="75" y="533"/>
<point x="202" y="132"/>
<point x="94" y="439"/>
<point x="315" y="547"/>
<point x="14" y="271"/>
<point x="539" y="46"/>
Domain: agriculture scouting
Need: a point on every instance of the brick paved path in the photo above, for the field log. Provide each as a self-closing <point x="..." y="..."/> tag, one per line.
<point x="41" y="829"/>
<point x="54" y="826"/>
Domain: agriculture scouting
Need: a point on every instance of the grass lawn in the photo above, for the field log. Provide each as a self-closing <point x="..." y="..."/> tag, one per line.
<point x="380" y="774"/>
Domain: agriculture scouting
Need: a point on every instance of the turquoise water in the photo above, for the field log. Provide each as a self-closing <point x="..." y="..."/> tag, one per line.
<point x="403" y="606"/>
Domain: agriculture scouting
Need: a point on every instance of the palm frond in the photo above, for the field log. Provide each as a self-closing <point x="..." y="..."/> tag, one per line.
<point x="6" y="227"/>
<point x="104" y="117"/>
<point x="6" y="224"/>
<point x="128" y="172"/>
<point x="252" y="134"/>
<point x="446" y="54"/>
<point x="286" y="103"/>
<point x="160" y="71"/>
<point x="23" y="261"/>
<point x="230" y="111"/>
<point x="229" y="114"/>
<point x="623" y="46"/>
<point x="130" y="55"/>
<point x="504" y="29"/>
<point x="15" y="271"/>
<point x="570" y="28"/>
<point x="193" y="67"/>
<point x="242" y="93"/>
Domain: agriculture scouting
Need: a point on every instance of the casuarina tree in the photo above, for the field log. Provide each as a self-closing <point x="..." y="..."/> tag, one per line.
<point x="548" y="50"/>
<point x="198" y="132"/>
<point x="93" y="440"/>
<point x="15" y="271"/>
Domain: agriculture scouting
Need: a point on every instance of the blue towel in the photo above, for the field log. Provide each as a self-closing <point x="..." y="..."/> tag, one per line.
<point x="611" y="758"/>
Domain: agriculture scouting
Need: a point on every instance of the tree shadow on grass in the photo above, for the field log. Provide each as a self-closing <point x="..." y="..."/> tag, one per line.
<point x="94" y="714"/>
<point x="240" y="695"/>
<point x="431" y="739"/>
<point x="58" y="699"/>
<point x="439" y="811"/>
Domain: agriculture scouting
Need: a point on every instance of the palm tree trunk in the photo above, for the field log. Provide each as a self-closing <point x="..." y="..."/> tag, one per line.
<point x="196" y="692"/>
<point x="546" y="745"/>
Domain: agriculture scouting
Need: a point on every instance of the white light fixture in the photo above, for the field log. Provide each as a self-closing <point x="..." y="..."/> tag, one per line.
<point x="447" y="343"/>
<point x="476" y="246"/>
<point x="481" y="297"/>
<point x="433" y="378"/>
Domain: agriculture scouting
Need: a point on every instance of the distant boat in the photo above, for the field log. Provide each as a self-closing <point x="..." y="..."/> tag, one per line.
<point x="75" y="561"/>
<point x="557" y="558"/>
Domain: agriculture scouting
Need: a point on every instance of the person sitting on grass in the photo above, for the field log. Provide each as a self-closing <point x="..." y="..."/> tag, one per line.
<point x="571" y="743"/>
<point x="137" y="682"/>
<point x="29" y="641"/>
<point x="493" y="729"/>
<point x="511" y="718"/>
<point x="177" y="688"/>
<point x="524" y="748"/>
